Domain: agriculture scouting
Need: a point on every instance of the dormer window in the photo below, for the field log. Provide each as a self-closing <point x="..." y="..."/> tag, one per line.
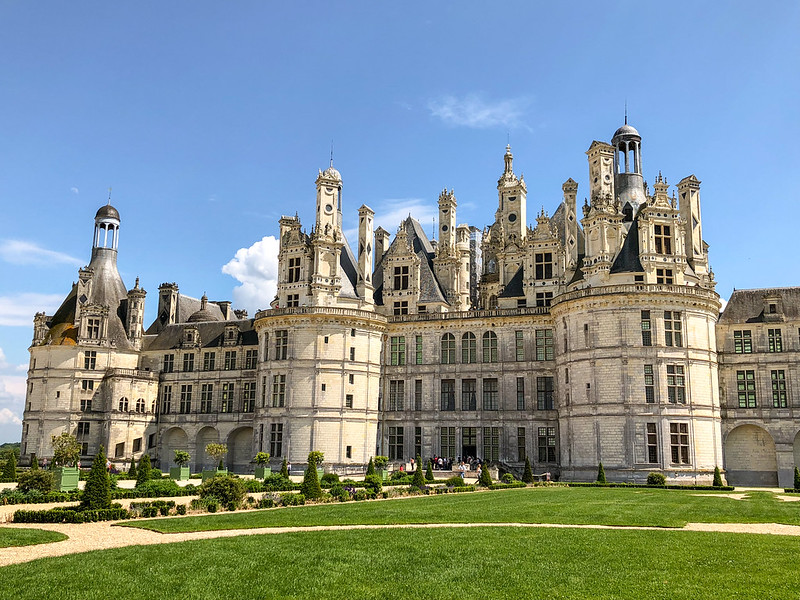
<point x="401" y="278"/>
<point x="663" y="239"/>
<point x="294" y="269"/>
<point x="93" y="328"/>
<point x="544" y="265"/>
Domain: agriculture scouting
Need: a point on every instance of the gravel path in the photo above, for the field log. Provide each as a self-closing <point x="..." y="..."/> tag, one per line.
<point x="101" y="536"/>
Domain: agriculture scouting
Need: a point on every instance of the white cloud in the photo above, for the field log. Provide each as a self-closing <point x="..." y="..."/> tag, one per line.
<point x="18" y="252"/>
<point x="74" y="190"/>
<point x="9" y="418"/>
<point x="474" y="111"/>
<point x="17" y="310"/>
<point x="256" y="268"/>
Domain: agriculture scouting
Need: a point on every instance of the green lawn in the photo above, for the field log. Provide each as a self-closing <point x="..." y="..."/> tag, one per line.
<point x="606" y="506"/>
<point x="436" y="563"/>
<point x="27" y="537"/>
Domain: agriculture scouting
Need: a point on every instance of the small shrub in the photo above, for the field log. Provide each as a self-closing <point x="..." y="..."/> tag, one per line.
<point x="35" y="480"/>
<point x="797" y="479"/>
<point x="277" y="483"/>
<point x="656" y="479"/>
<point x="97" y="493"/>
<point x="370" y="467"/>
<point x="34" y="463"/>
<point x="212" y="505"/>
<point x="148" y="512"/>
<point x="601" y="474"/>
<point x="228" y="490"/>
<point x="373" y="483"/>
<point x="143" y="472"/>
<point x="10" y="469"/>
<point x="267" y="501"/>
<point x="132" y="471"/>
<point x="160" y="487"/>
<point x="360" y="495"/>
<point x="485" y="479"/>
<point x="508" y="478"/>
<point x="180" y="509"/>
<point x="428" y="470"/>
<point x="292" y="499"/>
<point x="718" y="477"/>
<point x="419" y="481"/>
<point x="398" y="475"/>
<point x="285" y="469"/>
<point x="454" y="481"/>
<point x="310" y="487"/>
<point x="329" y="479"/>
<point x="252" y="485"/>
<point x="381" y="462"/>
<point x="527" y="474"/>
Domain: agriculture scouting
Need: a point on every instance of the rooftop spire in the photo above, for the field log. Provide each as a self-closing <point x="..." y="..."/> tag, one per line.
<point x="109" y="195"/>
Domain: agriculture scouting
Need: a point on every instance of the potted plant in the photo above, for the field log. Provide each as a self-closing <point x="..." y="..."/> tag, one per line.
<point x="216" y="452"/>
<point x="381" y="462"/>
<point x="66" y="453"/>
<point x="262" y="460"/>
<point x="317" y="457"/>
<point x="181" y="472"/>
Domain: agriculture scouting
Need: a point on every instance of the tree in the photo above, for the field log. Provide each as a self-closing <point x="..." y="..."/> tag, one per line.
<point x="718" y="477"/>
<point x="262" y="458"/>
<point x="34" y="463"/>
<point x="419" y="480"/>
<point x="601" y="474"/>
<point x="143" y="472"/>
<point x="796" y="479"/>
<point x="429" y="471"/>
<point x="66" y="450"/>
<point x="132" y="470"/>
<point x="182" y="458"/>
<point x="527" y="474"/>
<point x="217" y="452"/>
<point x="97" y="493"/>
<point x="485" y="479"/>
<point x="370" y="468"/>
<point x="230" y="491"/>
<point x="310" y="487"/>
<point x="10" y="469"/>
<point x="285" y="469"/>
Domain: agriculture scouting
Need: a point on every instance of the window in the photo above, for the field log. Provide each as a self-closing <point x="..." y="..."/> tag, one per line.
<point x="664" y="276"/>
<point x="422" y="308"/>
<point x="93" y="329"/>
<point x="278" y="391"/>
<point x="448" y="349"/>
<point x="544" y="265"/>
<point x="250" y="359"/>
<point x="349" y="451"/>
<point x="418" y="350"/>
<point x="397" y="391"/>
<point x="490" y="400"/>
<point x="186" y="399"/>
<point x="294" y="269"/>
<point x="521" y="453"/>
<point x="469" y="441"/>
<point x="649" y="385"/>
<point x="401" y="307"/>
<point x="679" y="443"/>
<point x="746" y="388"/>
<point x="325" y="339"/>
<point x="673" y="336"/>
<point x="490" y="347"/>
<point x="663" y="239"/>
<point x="520" y="393"/>
<point x="448" y="394"/>
<point x="292" y="300"/>
<point x="401" y="278"/>
<point x="87" y="385"/>
<point x="519" y="346"/>
<point x="544" y="298"/>
<point x="169" y="363"/>
<point x="547" y="444"/>
<point x="119" y="450"/>
<point x="166" y="400"/>
<point x="468" y="395"/>
<point x="348" y="401"/>
<point x="281" y="344"/>
<point x="491" y="443"/>
<point x="351" y="379"/>
<point x="418" y="394"/>
<point x="521" y="303"/>
<point x="676" y="384"/>
<point x="652" y="443"/>
<point x="544" y="344"/>
<point x="123" y="403"/>
<point x="586" y="334"/>
<point x="396" y="443"/>
<point x="353" y="333"/>
<point x="209" y="358"/>
<point x="276" y="439"/>
<point x="566" y="375"/>
<point x="544" y="393"/>
<point x="469" y="348"/>
<point x="647" y="329"/>
<point x="774" y="339"/>
<point x="230" y="360"/>
<point x="226" y="401"/>
<point x="151" y="440"/>
<point x="447" y="442"/>
<point x="206" y="398"/>
<point x="778" y="389"/>
<point x="418" y="441"/>
<point x="86" y="404"/>
<point x="352" y="354"/>
<point x="83" y="429"/>
<point x="398" y="350"/>
<point x="140" y="407"/>
<point x="90" y="359"/>
<point x="188" y="362"/>
<point x="742" y="342"/>
<point x="248" y="396"/>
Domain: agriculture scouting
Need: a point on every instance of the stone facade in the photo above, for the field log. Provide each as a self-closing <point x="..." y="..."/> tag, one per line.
<point x="570" y="342"/>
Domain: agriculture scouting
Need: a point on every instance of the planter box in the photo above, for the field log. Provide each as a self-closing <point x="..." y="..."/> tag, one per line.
<point x="179" y="473"/>
<point x="66" y="478"/>
<point x="383" y="474"/>
<point x="214" y="473"/>
<point x="320" y="472"/>
<point x="262" y="472"/>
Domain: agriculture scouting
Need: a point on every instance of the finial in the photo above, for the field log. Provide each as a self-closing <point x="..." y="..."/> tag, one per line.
<point x="626" y="111"/>
<point x="331" y="152"/>
<point x="137" y="284"/>
<point x="109" y="196"/>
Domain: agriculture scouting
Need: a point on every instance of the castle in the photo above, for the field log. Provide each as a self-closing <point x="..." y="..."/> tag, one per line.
<point x="592" y="336"/>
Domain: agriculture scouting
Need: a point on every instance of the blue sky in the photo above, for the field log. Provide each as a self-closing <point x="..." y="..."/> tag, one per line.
<point x="209" y="120"/>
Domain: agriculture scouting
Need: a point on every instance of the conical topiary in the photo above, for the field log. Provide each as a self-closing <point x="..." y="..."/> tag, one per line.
<point x="97" y="493"/>
<point x="527" y="474"/>
<point x="143" y="472"/>
<point x="601" y="474"/>
<point x="285" y="469"/>
<point x="10" y="469"/>
<point x="796" y="480"/>
<point x="429" y="471"/>
<point x="310" y="487"/>
<point x="485" y="479"/>
<point x="370" y="467"/>
<point x="718" y="477"/>
<point x="132" y="471"/>
<point x="419" y="480"/>
<point x="34" y="463"/>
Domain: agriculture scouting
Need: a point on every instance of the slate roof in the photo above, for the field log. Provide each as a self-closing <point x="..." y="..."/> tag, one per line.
<point x="747" y="306"/>
<point x="627" y="261"/>
<point x="514" y="288"/>
<point x="187" y="306"/>
<point x="349" y="266"/>
<point x="211" y="335"/>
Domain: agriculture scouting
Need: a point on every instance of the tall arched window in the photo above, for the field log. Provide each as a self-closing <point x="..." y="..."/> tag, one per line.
<point x="490" y="347"/>
<point x="448" y="349"/>
<point x="469" y="348"/>
<point x="140" y="405"/>
<point x="123" y="404"/>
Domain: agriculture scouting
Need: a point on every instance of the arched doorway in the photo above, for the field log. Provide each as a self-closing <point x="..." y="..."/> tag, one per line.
<point x="750" y="457"/>
<point x="207" y="435"/>
<point x="240" y="450"/>
<point x="173" y="439"/>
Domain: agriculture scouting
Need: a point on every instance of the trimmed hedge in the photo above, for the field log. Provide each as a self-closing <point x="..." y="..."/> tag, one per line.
<point x="65" y="515"/>
<point x="8" y="497"/>
<point x="507" y="486"/>
<point x="726" y="488"/>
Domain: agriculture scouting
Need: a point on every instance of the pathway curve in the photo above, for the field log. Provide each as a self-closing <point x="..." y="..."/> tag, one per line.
<point x="101" y="536"/>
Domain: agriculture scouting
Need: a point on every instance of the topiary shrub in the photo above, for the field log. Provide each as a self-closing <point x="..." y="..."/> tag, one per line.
<point x="370" y="468"/>
<point x="132" y="471"/>
<point x="485" y="479"/>
<point x="508" y="478"/>
<point x="718" y="477"/>
<point x="527" y="474"/>
<point x="10" y="469"/>
<point x="329" y="479"/>
<point x="454" y="481"/>
<point x="180" y="509"/>
<point x="419" y="481"/>
<point x="227" y="490"/>
<point x="381" y="462"/>
<point x="97" y="493"/>
<point x="284" y="469"/>
<point x="34" y="463"/>
<point x="143" y="472"/>
<point x="182" y="458"/>
<point x="35" y="480"/>
<point x="310" y="487"/>
<point x="797" y="479"/>
<point x="601" y="474"/>
<point x="373" y="483"/>
<point x="656" y="479"/>
<point x="276" y="483"/>
<point x="159" y="487"/>
<point x="428" y="470"/>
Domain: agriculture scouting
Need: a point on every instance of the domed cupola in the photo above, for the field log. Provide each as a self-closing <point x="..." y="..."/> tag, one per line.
<point x="628" y="182"/>
<point x="204" y="314"/>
